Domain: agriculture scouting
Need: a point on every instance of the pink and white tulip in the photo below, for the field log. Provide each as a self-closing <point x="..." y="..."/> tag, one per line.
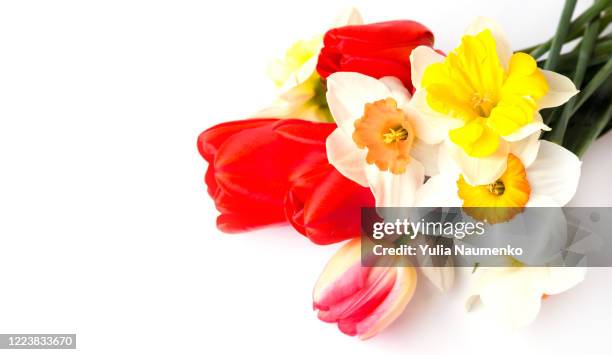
<point x="362" y="300"/>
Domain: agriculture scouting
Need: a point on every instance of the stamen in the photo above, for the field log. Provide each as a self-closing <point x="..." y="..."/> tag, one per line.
<point x="395" y="135"/>
<point x="515" y="262"/>
<point x="482" y="103"/>
<point x="386" y="132"/>
<point x="497" y="188"/>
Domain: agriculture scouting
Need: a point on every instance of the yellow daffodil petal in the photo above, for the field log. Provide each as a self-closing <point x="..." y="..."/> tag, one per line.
<point x="476" y="138"/>
<point x="524" y="78"/>
<point x="282" y="70"/>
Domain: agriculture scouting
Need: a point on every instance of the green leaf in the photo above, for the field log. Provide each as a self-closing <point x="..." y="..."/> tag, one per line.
<point x="576" y="27"/>
<point x="584" y="56"/>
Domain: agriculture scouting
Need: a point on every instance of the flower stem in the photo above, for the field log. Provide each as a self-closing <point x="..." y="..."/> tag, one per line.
<point x="602" y="75"/>
<point x="591" y="121"/>
<point x="576" y="27"/>
<point x="560" y="35"/>
<point x="594" y="131"/>
<point x="601" y="54"/>
<point x="584" y="56"/>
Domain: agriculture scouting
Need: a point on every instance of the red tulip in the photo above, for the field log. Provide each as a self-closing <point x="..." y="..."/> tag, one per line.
<point x="325" y="206"/>
<point x="268" y="171"/>
<point x="252" y="163"/>
<point x="377" y="50"/>
<point x="362" y="300"/>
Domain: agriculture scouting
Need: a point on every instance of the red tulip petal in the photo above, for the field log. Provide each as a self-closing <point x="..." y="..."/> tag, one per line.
<point x="395" y="303"/>
<point x="210" y="140"/>
<point x="378" y="68"/>
<point x="362" y="39"/>
<point x="379" y="49"/>
<point x="325" y="206"/>
<point x="252" y="163"/>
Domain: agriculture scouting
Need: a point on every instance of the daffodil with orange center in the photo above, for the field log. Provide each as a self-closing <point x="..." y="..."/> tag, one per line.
<point x="483" y="99"/>
<point x="538" y="173"/>
<point x="387" y="134"/>
<point x="377" y="143"/>
<point x="498" y="201"/>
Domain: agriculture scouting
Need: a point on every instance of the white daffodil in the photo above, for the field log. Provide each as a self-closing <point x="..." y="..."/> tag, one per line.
<point x="481" y="98"/>
<point x="377" y="142"/>
<point x="301" y="94"/>
<point x="513" y="295"/>
<point x="537" y="174"/>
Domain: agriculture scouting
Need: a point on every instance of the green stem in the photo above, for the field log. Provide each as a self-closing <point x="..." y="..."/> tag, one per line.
<point x="586" y="122"/>
<point x="576" y="27"/>
<point x="560" y="35"/>
<point x="601" y="54"/>
<point x="602" y="75"/>
<point x="552" y="118"/>
<point x="584" y="56"/>
<point x="594" y="132"/>
<point x="586" y="51"/>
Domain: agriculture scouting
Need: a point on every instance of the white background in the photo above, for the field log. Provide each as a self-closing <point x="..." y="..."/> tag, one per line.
<point x="105" y="227"/>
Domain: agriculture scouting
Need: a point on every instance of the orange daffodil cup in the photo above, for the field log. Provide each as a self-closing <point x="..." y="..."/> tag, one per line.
<point x="483" y="99"/>
<point x="377" y="143"/>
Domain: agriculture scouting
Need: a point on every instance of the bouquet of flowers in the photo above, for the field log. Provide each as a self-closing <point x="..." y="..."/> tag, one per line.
<point x="372" y="115"/>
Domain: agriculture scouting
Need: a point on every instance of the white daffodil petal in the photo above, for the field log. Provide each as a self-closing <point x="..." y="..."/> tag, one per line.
<point x="397" y="89"/>
<point x="306" y="70"/>
<point x="535" y="126"/>
<point x="512" y="295"/>
<point x="539" y="200"/>
<point x="439" y="191"/>
<point x="561" y="89"/>
<point x="477" y="171"/>
<point x="430" y="126"/>
<point x="420" y="58"/>
<point x="350" y="17"/>
<point x="396" y="190"/>
<point x="561" y="279"/>
<point x="527" y="149"/>
<point x="502" y="44"/>
<point x="427" y="154"/>
<point x="278" y="108"/>
<point x="347" y="94"/>
<point x="554" y="173"/>
<point x="442" y="277"/>
<point x="346" y="157"/>
<point x="446" y="164"/>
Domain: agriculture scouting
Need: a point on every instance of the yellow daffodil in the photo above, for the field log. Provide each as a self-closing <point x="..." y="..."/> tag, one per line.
<point x="482" y="98"/>
<point x="301" y="92"/>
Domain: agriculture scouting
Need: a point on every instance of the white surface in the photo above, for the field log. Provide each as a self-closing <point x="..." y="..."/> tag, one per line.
<point x="105" y="227"/>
